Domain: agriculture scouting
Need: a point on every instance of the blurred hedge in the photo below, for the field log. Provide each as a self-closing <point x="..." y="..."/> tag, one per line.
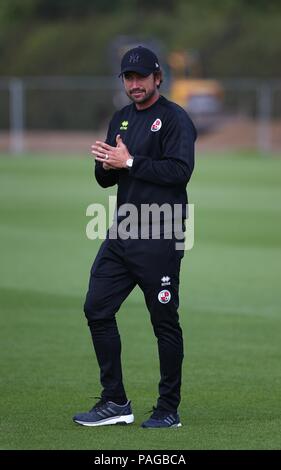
<point x="233" y="38"/>
<point x="71" y="37"/>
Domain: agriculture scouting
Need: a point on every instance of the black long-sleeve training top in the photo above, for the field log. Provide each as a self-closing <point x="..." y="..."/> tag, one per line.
<point x="161" y="140"/>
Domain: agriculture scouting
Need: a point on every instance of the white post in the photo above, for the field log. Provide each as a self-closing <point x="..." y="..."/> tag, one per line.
<point x="16" y="116"/>
<point x="264" y="117"/>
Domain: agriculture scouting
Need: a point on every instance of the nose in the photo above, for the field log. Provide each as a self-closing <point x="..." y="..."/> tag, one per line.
<point x="135" y="82"/>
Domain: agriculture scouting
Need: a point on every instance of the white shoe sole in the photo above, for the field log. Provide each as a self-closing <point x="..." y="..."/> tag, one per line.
<point x="126" y="419"/>
<point x="174" y="426"/>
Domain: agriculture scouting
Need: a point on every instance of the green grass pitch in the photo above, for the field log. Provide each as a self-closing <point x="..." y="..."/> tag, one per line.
<point x="230" y="311"/>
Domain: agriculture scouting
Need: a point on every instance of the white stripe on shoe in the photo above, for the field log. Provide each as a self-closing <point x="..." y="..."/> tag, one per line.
<point x="126" y="419"/>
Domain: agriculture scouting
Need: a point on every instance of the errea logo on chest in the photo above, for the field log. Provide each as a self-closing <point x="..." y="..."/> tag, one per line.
<point x="124" y="125"/>
<point x="156" y="126"/>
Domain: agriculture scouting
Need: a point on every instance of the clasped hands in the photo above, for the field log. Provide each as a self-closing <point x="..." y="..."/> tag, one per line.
<point x="112" y="158"/>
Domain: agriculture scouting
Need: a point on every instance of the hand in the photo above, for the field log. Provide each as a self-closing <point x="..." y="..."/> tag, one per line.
<point x="108" y="167"/>
<point x="117" y="156"/>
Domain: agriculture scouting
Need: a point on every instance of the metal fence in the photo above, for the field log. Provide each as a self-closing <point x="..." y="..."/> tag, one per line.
<point x="64" y="113"/>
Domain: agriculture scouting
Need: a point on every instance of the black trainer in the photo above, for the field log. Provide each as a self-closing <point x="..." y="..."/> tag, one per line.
<point x="106" y="412"/>
<point x="162" y="419"/>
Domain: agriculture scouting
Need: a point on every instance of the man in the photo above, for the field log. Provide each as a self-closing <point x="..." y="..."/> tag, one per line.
<point x="149" y="154"/>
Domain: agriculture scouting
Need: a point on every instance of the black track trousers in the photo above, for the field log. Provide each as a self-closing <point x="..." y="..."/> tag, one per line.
<point x="119" y="266"/>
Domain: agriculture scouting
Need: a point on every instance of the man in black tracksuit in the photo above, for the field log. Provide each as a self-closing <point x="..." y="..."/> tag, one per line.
<point x="149" y="155"/>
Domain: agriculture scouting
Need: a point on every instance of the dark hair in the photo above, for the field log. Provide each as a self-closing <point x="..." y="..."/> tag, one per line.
<point x="158" y="74"/>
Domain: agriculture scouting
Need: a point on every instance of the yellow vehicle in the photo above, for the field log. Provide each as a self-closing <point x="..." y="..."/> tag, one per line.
<point x="201" y="98"/>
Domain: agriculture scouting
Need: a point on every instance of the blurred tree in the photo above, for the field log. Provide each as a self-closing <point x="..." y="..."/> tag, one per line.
<point x="16" y="10"/>
<point x="72" y="36"/>
<point x="54" y="9"/>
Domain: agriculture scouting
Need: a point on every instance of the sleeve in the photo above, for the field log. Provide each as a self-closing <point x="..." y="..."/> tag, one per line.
<point x="177" y="164"/>
<point x="107" y="178"/>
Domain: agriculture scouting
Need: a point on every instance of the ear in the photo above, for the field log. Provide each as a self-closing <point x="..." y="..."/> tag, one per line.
<point x="158" y="78"/>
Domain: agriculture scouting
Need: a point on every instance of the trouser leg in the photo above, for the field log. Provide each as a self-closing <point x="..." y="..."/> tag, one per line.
<point x="109" y="285"/>
<point x="160" y="260"/>
<point x="107" y="345"/>
<point x="165" y="322"/>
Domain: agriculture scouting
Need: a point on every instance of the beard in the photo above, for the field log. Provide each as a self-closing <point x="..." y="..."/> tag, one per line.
<point x="142" y="97"/>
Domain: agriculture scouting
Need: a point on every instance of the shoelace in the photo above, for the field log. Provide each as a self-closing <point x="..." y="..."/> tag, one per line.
<point x="157" y="414"/>
<point x="99" y="404"/>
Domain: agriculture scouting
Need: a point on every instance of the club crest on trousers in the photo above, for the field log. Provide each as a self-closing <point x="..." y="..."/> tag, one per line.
<point x="164" y="296"/>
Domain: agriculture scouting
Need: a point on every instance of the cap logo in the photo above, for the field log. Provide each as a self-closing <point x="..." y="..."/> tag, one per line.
<point x="134" y="58"/>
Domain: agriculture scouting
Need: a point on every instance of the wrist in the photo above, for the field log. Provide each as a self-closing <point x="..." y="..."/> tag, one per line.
<point x="129" y="162"/>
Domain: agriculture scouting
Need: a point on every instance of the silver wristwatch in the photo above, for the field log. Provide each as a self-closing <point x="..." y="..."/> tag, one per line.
<point x="129" y="163"/>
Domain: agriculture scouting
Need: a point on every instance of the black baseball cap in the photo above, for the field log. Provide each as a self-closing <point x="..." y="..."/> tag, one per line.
<point x="140" y="60"/>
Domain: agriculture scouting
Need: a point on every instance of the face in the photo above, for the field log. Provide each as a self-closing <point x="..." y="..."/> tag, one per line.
<point x="141" y="90"/>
